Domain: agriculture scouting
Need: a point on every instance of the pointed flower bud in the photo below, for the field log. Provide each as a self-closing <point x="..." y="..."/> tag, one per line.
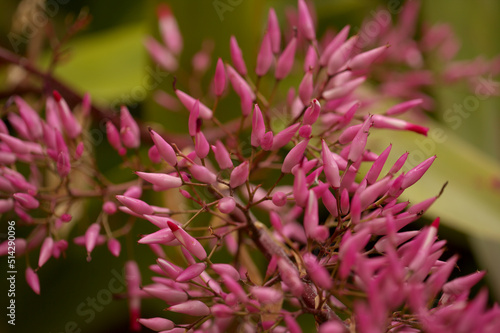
<point x="380" y="121"/>
<point x="225" y="269"/>
<point x="365" y="59"/>
<point x="26" y="201"/>
<point x="239" y="175"/>
<point x="285" y="61"/>
<point x="162" y="181"/>
<point x="68" y="121"/>
<point x="374" y="172"/>
<point x="344" y="89"/>
<point x="202" y="174"/>
<point x="189" y="242"/>
<point x="192" y="308"/>
<point x="311" y="219"/>
<point x="265" y="56"/>
<point x="191" y="272"/>
<point x="330" y="167"/>
<point x="157" y="324"/>
<point x="339" y="58"/>
<point x="359" y="142"/>
<point x="164" y="148"/>
<point x="91" y="236"/>
<point x="114" y="246"/>
<point x="306" y="25"/>
<point x="412" y="176"/>
<point x="306" y="87"/>
<point x="335" y="43"/>
<point x="45" y="251"/>
<point x="136" y="205"/>
<point x="129" y="130"/>
<point x="114" y="138"/>
<point x="300" y="190"/>
<point x="258" y="126"/>
<point x="133" y="280"/>
<point x="403" y="107"/>
<point x="219" y="78"/>
<point x="279" y="199"/>
<point x="273" y="29"/>
<point x="294" y="156"/>
<point x="222" y="155"/>
<point x="283" y="138"/>
<point x="201" y="147"/>
<point x="161" y="55"/>
<point x="32" y="280"/>
<point x="189" y="101"/>
<point x="237" y="56"/>
<point x="162" y="236"/>
<point x="169" y="29"/>
<point x="30" y="117"/>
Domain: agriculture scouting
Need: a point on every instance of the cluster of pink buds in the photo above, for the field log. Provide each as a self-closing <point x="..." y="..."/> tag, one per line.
<point x="287" y="185"/>
<point x="266" y="220"/>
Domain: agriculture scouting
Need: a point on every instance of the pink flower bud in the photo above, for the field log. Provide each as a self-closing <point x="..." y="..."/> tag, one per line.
<point x="421" y="207"/>
<point x="344" y="201"/>
<point x="129" y="130"/>
<point x="359" y="142"/>
<point x="45" y="251"/>
<point x="133" y="191"/>
<point x="265" y="56"/>
<point x="266" y="143"/>
<point x="193" y="308"/>
<point x="169" y="29"/>
<point x="330" y="49"/>
<point x="343" y="90"/>
<point x="70" y="124"/>
<point x="374" y="172"/>
<point x="235" y="288"/>
<point x="7" y="158"/>
<point x="330" y="167"/>
<point x="285" y="61"/>
<point x="266" y="295"/>
<point x="157" y="324"/>
<point x="279" y="199"/>
<point x="219" y="78"/>
<point x="191" y="272"/>
<point x="311" y="215"/>
<point x="339" y="58"/>
<point x="189" y="101"/>
<point x="79" y="150"/>
<point x="63" y="165"/>
<point x="258" y="126"/>
<point x="290" y="277"/>
<point x="317" y="273"/>
<point x="189" y="242"/>
<point x="169" y="295"/>
<point x="403" y="107"/>
<point x="290" y="322"/>
<point x="412" y="176"/>
<point x="17" y="146"/>
<point x="109" y="207"/>
<point x="91" y="236"/>
<point x="349" y="133"/>
<point x="136" y="205"/>
<point x="114" y="246"/>
<point x="300" y="190"/>
<point x="312" y="113"/>
<point x="162" y="236"/>
<point x="164" y="148"/>
<point x="170" y="269"/>
<point x="226" y="269"/>
<point x="26" y="201"/>
<point x="114" y="138"/>
<point x="161" y="180"/>
<point x="154" y="155"/>
<point x="332" y="326"/>
<point x="202" y="174"/>
<point x="306" y="87"/>
<point x="194" y="123"/>
<point x="222" y="155"/>
<point x="30" y="117"/>
<point x="133" y="279"/>
<point x="237" y="56"/>
<point x="32" y="280"/>
<point x="372" y="192"/>
<point x="283" y="138"/>
<point x="202" y="146"/>
<point x="306" y="25"/>
<point x="311" y="59"/>
<point x="239" y="175"/>
<point x="221" y="311"/>
<point x="380" y="121"/>
<point x="243" y="90"/>
<point x="160" y="54"/>
<point x="294" y="156"/>
<point x="273" y="29"/>
<point x="226" y="205"/>
<point x="365" y="59"/>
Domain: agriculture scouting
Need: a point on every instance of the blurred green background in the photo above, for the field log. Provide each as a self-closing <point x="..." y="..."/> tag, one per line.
<point x="109" y="61"/>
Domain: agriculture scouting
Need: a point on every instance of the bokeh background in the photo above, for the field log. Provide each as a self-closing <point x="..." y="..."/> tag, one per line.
<point x="108" y="60"/>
